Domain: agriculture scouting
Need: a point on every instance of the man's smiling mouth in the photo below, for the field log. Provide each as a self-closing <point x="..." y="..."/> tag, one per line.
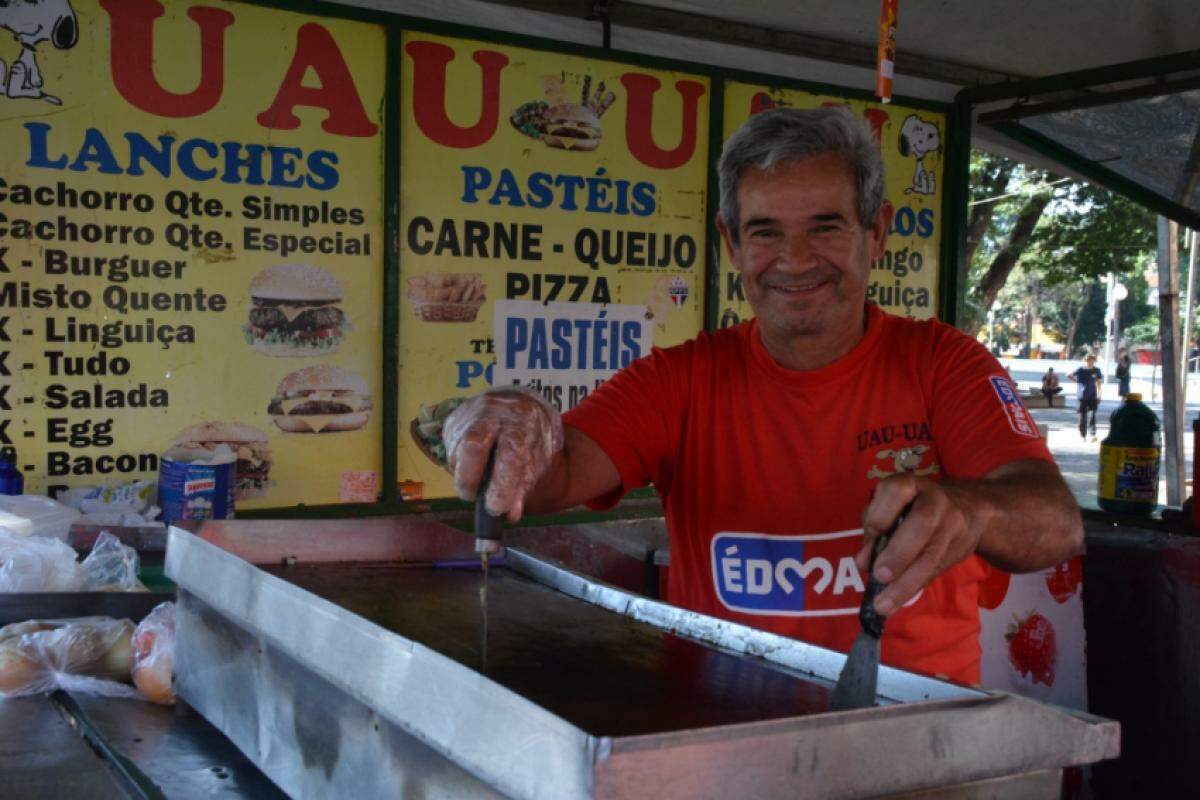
<point x="800" y="287"/>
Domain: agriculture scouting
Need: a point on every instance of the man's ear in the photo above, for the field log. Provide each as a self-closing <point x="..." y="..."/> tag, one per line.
<point x="879" y="230"/>
<point x="730" y="248"/>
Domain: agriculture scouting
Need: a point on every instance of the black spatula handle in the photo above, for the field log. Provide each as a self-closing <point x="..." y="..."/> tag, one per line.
<point x="487" y="526"/>
<point x="870" y="619"/>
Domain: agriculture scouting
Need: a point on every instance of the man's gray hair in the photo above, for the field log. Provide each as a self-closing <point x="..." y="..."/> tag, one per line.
<point x="782" y="135"/>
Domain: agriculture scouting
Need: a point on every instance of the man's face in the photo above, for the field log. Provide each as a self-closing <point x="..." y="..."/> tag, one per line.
<point x="803" y="255"/>
<point x="1090" y="361"/>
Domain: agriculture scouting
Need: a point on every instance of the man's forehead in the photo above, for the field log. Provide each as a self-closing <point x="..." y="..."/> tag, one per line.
<point x="824" y="179"/>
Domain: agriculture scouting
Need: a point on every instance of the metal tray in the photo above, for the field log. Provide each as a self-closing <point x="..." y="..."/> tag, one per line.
<point x="329" y="702"/>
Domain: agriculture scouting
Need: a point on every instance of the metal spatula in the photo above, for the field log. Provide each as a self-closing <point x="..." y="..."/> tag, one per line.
<point x="860" y="674"/>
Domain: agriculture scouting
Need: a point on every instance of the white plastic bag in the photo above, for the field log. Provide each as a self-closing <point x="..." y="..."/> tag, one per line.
<point x="154" y="654"/>
<point x="110" y="567"/>
<point x="88" y="654"/>
<point x="37" y="564"/>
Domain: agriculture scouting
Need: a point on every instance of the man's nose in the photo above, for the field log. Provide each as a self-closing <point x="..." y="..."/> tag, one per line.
<point x="798" y="253"/>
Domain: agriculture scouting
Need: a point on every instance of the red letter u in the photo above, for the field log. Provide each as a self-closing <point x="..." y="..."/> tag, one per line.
<point x="132" y="58"/>
<point x="639" y="119"/>
<point x="429" y="94"/>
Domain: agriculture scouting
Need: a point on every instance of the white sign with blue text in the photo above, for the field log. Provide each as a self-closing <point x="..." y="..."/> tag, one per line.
<point x="566" y="350"/>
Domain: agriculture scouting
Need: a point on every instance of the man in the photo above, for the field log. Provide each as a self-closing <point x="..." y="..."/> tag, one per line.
<point x="772" y="442"/>
<point x="1087" y="394"/>
<point x="1123" y="373"/>
<point x="1050" y="386"/>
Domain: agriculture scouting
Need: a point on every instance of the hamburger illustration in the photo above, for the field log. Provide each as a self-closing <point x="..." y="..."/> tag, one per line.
<point x="294" y="311"/>
<point x="571" y="126"/>
<point x="560" y="123"/>
<point x="248" y="443"/>
<point x="321" y="399"/>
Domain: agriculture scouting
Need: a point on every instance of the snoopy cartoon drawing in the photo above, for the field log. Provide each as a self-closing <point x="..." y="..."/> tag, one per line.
<point x="32" y="22"/>
<point x="919" y="138"/>
<point x="906" y="459"/>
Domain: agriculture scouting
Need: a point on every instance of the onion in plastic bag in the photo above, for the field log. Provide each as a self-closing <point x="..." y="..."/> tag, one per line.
<point x="154" y="654"/>
<point x="87" y="654"/>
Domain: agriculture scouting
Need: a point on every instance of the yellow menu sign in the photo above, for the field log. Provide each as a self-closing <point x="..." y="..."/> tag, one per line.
<point x="905" y="280"/>
<point x="191" y="244"/>
<point x="552" y="224"/>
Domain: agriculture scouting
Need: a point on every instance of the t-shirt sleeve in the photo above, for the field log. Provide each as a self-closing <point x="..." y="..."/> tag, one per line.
<point x="636" y="417"/>
<point x="979" y="420"/>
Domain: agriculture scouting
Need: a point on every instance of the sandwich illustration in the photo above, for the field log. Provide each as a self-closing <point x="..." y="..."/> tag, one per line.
<point x="321" y="399"/>
<point x="248" y="443"/>
<point x="294" y="311"/>
<point x="561" y="123"/>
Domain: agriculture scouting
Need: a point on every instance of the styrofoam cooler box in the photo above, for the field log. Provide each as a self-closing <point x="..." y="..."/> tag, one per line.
<point x="36" y="515"/>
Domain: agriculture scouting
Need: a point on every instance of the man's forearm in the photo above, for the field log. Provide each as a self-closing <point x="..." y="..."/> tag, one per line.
<point x="1026" y="516"/>
<point x="550" y="494"/>
<point x="580" y="472"/>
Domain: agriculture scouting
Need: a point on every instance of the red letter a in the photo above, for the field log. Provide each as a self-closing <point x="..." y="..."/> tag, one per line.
<point x="132" y="57"/>
<point x="337" y="93"/>
<point x="429" y="94"/>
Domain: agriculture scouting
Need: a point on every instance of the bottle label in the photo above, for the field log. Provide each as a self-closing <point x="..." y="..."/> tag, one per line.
<point x="1129" y="474"/>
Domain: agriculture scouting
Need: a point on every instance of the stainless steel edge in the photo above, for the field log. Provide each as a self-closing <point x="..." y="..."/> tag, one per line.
<point x="865" y="753"/>
<point x="493" y="733"/>
<point x="310" y="737"/>
<point x="895" y="685"/>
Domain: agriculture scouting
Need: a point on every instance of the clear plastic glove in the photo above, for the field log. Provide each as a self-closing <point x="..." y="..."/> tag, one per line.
<point x="526" y="431"/>
<point x="88" y="654"/>
<point x="154" y="654"/>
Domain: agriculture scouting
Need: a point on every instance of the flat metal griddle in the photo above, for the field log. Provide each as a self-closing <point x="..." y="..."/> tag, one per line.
<point x="605" y="673"/>
<point x="369" y="679"/>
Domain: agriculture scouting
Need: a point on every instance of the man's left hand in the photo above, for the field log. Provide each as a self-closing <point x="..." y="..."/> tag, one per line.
<point x="937" y="533"/>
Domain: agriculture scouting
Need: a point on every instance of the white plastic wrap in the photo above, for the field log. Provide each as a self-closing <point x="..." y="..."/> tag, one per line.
<point x="40" y="564"/>
<point x="37" y="564"/>
<point x="154" y="654"/>
<point x="110" y="567"/>
<point x="88" y="654"/>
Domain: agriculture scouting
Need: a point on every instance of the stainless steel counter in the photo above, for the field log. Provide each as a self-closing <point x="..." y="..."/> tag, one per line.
<point x="370" y="680"/>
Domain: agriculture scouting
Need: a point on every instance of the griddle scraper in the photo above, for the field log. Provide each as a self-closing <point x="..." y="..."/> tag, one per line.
<point x="860" y="674"/>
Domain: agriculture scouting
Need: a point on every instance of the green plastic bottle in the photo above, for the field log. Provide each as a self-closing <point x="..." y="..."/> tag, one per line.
<point x="1129" y="459"/>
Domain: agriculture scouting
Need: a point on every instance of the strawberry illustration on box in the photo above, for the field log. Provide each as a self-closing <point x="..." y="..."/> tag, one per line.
<point x="1063" y="580"/>
<point x="1031" y="633"/>
<point x="1033" y="647"/>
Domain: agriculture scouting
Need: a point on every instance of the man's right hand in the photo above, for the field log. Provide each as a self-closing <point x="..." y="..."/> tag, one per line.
<point x="524" y="430"/>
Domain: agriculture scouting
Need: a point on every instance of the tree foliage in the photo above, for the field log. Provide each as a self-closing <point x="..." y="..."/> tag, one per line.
<point x="1040" y="245"/>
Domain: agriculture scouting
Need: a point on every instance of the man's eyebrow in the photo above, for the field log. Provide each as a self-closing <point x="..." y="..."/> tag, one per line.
<point x="831" y="216"/>
<point x="755" y="222"/>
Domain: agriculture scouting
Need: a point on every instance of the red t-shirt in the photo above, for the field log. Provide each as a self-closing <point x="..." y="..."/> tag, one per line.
<point x="764" y="473"/>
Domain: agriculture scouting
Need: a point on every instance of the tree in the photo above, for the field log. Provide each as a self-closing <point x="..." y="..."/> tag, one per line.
<point x="1062" y="308"/>
<point x="1007" y="200"/>
<point x="1062" y="237"/>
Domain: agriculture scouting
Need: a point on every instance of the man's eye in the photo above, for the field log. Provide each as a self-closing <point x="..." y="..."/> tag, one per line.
<point x="825" y="228"/>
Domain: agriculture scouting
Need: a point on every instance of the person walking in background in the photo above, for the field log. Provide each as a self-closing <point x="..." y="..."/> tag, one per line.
<point x="1050" y="386"/>
<point x="1088" y="395"/>
<point x="1122" y="373"/>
